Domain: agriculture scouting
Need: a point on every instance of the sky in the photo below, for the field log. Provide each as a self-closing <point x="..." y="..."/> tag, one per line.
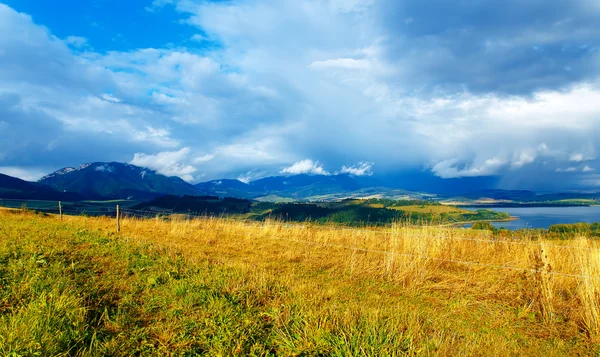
<point x="501" y="92"/>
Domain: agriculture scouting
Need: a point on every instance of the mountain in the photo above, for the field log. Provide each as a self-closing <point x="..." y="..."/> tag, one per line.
<point x="228" y="188"/>
<point x="512" y="195"/>
<point x="116" y="180"/>
<point x="14" y="188"/>
<point x="297" y="187"/>
<point x="304" y="187"/>
<point x="528" y="196"/>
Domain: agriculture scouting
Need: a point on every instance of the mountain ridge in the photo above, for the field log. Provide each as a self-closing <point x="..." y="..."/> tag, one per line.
<point x="115" y="180"/>
<point x="15" y="188"/>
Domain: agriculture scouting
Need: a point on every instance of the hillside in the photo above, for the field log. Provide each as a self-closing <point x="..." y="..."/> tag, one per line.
<point x="383" y="212"/>
<point x="305" y="187"/>
<point x="222" y="287"/>
<point x="14" y="188"/>
<point x="522" y="198"/>
<point x="116" y="180"/>
<point x="228" y="188"/>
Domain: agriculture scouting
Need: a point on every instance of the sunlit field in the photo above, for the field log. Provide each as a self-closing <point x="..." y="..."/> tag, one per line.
<point x="227" y="287"/>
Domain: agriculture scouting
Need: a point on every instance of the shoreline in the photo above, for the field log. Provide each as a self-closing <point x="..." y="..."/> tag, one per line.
<point x="457" y="224"/>
<point x="523" y="205"/>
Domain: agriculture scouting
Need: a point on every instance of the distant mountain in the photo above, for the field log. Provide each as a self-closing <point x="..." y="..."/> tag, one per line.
<point x="228" y="188"/>
<point x="14" y="188"/>
<point x="296" y="187"/>
<point x="116" y="180"/>
<point x="512" y="195"/>
<point x="303" y="187"/>
<point x="528" y="196"/>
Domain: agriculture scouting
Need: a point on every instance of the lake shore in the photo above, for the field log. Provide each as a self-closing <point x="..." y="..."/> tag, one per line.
<point x="458" y="224"/>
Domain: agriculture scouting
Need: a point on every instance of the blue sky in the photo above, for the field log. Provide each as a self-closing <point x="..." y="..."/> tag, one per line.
<point x="502" y="91"/>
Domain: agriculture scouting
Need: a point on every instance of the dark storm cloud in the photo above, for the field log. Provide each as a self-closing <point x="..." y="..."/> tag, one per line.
<point x="507" y="47"/>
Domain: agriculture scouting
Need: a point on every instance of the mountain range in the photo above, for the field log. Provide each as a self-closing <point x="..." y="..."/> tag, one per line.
<point x="14" y="188"/>
<point x="114" y="180"/>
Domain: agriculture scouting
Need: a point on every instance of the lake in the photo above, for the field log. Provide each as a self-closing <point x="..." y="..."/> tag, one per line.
<point x="544" y="217"/>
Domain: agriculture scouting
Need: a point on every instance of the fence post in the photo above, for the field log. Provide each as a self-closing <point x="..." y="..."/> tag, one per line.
<point x="60" y="209"/>
<point x="118" y="220"/>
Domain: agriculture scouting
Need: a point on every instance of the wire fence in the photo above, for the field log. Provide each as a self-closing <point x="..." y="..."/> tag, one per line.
<point x="90" y="209"/>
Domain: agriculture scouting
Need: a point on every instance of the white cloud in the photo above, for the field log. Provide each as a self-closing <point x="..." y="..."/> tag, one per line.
<point x="104" y="168"/>
<point x="343" y="63"/>
<point x="157" y="4"/>
<point x="586" y="168"/>
<point x="110" y="98"/>
<point x="524" y="157"/>
<point x="567" y="169"/>
<point x="169" y="163"/>
<point x="251" y="176"/>
<point x="360" y="169"/>
<point x="27" y="174"/>
<point x="198" y="38"/>
<point x="76" y="41"/>
<point x="449" y="169"/>
<point x="159" y="137"/>
<point x="204" y="158"/>
<point x="576" y="157"/>
<point x="306" y="166"/>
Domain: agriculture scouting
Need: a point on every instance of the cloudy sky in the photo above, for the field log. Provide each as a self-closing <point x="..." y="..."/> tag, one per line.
<point x="508" y="90"/>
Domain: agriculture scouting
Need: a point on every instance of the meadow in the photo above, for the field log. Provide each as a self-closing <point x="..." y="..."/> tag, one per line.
<point x="217" y="286"/>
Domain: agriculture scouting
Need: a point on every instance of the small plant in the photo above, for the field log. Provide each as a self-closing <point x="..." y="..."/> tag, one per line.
<point x="486" y="226"/>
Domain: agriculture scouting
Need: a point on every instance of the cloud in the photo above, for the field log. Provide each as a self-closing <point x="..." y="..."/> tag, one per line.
<point x="586" y="168"/>
<point x="360" y="169"/>
<point x="198" y="38"/>
<point x="110" y="98"/>
<point x="343" y="63"/>
<point x="157" y="4"/>
<point x="471" y="90"/>
<point x="306" y="166"/>
<point x="204" y="158"/>
<point x="104" y="168"/>
<point x="491" y="46"/>
<point x="26" y="174"/>
<point x="450" y="168"/>
<point x="76" y="41"/>
<point x="169" y="163"/>
<point x="526" y="156"/>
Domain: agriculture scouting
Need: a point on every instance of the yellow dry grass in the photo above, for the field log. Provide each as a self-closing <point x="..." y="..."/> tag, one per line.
<point x="457" y="291"/>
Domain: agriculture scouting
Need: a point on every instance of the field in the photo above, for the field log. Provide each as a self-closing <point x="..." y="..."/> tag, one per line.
<point x="226" y="287"/>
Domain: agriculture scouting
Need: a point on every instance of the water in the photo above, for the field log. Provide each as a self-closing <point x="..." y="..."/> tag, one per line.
<point x="544" y="217"/>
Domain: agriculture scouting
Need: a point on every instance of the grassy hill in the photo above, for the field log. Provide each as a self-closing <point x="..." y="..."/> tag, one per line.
<point x="14" y="188"/>
<point x="223" y="287"/>
<point x="346" y="212"/>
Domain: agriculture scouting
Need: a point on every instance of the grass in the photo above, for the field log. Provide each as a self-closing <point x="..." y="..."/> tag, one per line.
<point x="224" y="287"/>
<point x="579" y="201"/>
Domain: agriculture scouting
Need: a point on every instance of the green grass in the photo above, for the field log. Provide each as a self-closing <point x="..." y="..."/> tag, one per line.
<point x="80" y="292"/>
<point x="436" y="209"/>
<point x="71" y="291"/>
<point x="75" y="288"/>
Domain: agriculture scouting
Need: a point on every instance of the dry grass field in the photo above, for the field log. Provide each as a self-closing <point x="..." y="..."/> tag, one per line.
<point x="215" y="286"/>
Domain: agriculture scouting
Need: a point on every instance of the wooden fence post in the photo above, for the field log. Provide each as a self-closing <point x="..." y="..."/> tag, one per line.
<point x="60" y="209"/>
<point x="118" y="220"/>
